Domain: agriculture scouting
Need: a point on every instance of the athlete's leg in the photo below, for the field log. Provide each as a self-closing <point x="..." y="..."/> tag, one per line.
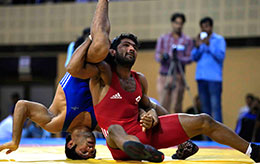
<point x="164" y="94"/>
<point x="118" y="138"/>
<point x="23" y="110"/>
<point x="203" y="124"/>
<point x="177" y="95"/>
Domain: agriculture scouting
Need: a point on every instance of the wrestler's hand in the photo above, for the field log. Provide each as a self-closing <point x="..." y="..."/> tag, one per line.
<point x="141" y="113"/>
<point x="149" y="120"/>
<point x="11" y="146"/>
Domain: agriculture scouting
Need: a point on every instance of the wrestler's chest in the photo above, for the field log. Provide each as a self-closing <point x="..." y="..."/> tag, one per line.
<point x="128" y="85"/>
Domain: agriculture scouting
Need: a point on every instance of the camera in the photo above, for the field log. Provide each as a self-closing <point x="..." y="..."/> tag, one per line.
<point x="174" y="52"/>
<point x="203" y="35"/>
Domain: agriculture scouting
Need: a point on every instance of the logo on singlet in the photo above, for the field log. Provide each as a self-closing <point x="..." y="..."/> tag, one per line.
<point x="105" y="132"/>
<point x="74" y="108"/>
<point x="137" y="99"/>
<point x="116" y="96"/>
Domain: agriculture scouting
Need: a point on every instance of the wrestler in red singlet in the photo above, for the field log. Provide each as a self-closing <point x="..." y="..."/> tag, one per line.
<point x="121" y="107"/>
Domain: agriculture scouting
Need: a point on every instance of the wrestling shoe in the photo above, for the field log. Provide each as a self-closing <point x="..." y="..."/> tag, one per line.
<point x="255" y="154"/>
<point x="185" y="150"/>
<point x="139" y="151"/>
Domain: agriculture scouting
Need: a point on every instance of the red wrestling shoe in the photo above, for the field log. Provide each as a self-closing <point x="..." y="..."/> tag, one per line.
<point x="185" y="150"/>
<point x="139" y="151"/>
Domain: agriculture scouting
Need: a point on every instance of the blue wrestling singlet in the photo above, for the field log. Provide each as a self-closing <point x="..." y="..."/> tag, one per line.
<point x="78" y="99"/>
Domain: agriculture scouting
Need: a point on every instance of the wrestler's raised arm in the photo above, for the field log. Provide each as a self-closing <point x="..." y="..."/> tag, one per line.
<point x="95" y="48"/>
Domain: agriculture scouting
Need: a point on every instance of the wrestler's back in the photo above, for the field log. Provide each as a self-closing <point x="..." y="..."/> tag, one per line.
<point x="59" y="110"/>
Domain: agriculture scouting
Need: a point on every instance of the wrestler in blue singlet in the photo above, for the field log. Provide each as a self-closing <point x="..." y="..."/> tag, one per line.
<point x="78" y="99"/>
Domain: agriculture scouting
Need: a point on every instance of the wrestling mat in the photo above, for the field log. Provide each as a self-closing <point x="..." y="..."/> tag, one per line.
<point x="43" y="151"/>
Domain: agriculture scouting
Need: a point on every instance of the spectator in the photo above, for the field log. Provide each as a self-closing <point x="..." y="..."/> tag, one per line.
<point x="7" y="124"/>
<point x="171" y="98"/>
<point x="249" y="100"/>
<point x="73" y="45"/>
<point x="209" y="54"/>
<point x="191" y="109"/>
<point x="33" y="130"/>
<point x="6" y="127"/>
<point x="246" y="123"/>
<point x="256" y="132"/>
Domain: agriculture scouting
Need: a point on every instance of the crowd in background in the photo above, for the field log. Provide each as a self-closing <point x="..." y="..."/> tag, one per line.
<point x="175" y="49"/>
<point x="16" y="2"/>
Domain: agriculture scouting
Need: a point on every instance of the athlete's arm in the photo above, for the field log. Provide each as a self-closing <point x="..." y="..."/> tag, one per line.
<point x="23" y="110"/>
<point x="150" y="119"/>
<point x="147" y="119"/>
<point x="145" y="102"/>
<point x="93" y="51"/>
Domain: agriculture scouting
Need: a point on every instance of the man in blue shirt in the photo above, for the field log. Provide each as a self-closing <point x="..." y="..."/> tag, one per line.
<point x="209" y="54"/>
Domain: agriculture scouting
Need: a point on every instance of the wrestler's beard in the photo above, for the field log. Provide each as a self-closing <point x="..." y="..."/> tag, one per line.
<point x="123" y="61"/>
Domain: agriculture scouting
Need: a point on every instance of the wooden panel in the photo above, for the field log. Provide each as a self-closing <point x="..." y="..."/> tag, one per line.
<point x="148" y="19"/>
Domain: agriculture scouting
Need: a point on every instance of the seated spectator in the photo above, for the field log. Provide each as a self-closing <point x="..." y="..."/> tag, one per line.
<point x="249" y="99"/>
<point x="244" y="110"/>
<point x="7" y="124"/>
<point x="6" y="127"/>
<point x="247" y="120"/>
<point x="256" y="133"/>
<point x="74" y="45"/>
<point x="33" y="130"/>
<point x="191" y="109"/>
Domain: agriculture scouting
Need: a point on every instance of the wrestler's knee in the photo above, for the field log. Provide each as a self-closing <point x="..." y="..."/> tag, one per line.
<point x="115" y="129"/>
<point x="207" y="123"/>
<point x="21" y="104"/>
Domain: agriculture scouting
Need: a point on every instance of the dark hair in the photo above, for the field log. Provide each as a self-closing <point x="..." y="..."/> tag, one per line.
<point x="117" y="40"/>
<point x="78" y="42"/>
<point x="250" y="96"/>
<point x="86" y="32"/>
<point x="205" y="20"/>
<point x="15" y="96"/>
<point x="82" y="38"/>
<point x="71" y="153"/>
<point x="178" y="15"/>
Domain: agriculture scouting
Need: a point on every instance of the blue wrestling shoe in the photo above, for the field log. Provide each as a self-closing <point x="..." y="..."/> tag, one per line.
<point x="139" y="151"/>
<point x="185" y="150"/>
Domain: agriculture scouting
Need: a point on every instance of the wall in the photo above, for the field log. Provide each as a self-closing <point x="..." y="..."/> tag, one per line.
<point x="241" y="76"/>
<point x="148" y="19"/>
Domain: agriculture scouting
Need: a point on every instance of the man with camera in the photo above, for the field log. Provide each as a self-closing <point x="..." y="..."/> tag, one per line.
<point x="209" y="54"/>
<point x="173" y="49"/>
